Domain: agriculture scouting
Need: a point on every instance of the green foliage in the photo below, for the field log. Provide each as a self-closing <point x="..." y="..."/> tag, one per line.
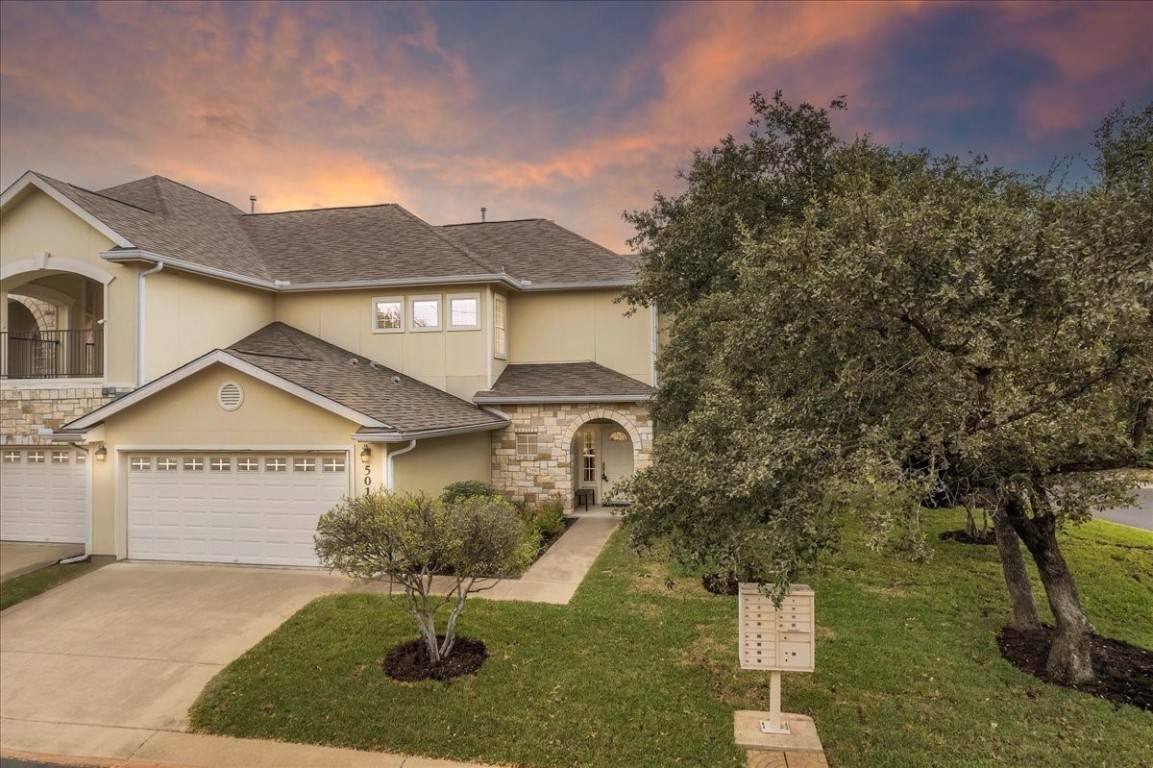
<point x="546" y="518"/>
<point x="463" y="489"/>
<point x="635" y="674"/>
<point x="846" y="311"/>
<point x="412" y="538"/>
<point x="21" y="588"/>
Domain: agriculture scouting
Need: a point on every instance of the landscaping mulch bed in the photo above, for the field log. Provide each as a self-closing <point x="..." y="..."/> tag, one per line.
<point x="716" y="584"/>
<point x="988" y="538"/>
<point x="1124" y="672"/>
<point x="409" y="662"/>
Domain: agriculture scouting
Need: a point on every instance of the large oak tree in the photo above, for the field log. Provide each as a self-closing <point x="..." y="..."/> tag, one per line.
<point x="846" y="315"/>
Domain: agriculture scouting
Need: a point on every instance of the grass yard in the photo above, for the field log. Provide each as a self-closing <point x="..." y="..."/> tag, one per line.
<point x="634" y="674"/>
<point x="21" y="588"/>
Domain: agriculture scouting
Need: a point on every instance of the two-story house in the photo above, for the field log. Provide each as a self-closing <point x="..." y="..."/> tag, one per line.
<point x="183" y="380"/>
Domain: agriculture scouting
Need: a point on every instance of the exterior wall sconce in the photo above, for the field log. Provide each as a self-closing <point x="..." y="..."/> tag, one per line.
<point x="101" y="453"/>
<point x="366" y="454"/>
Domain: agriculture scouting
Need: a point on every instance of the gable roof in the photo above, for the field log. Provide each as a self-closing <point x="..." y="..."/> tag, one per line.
<point x="586" y="382"/>
<point x="386" y="405"/>
<point x="159" y="220"/>
<point x="539" y="251"/>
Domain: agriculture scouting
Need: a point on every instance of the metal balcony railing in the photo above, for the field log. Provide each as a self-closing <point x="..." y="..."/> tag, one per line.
<point x="53" y="354"/>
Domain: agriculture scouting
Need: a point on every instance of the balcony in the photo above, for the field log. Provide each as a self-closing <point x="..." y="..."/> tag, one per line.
<point x="53" y="354"/>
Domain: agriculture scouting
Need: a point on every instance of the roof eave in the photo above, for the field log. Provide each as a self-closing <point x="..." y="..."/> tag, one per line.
<point x="576" y="285"/>
<point x="32" y="179"/>
<point x="400" y="436"/>
<point x="534" y="399"/>
<point x="225" y="358"/>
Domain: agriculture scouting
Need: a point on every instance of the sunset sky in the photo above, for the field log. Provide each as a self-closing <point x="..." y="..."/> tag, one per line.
<point x="569" y="111"/>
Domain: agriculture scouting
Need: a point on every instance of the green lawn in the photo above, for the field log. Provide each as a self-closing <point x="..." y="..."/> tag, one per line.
<point x="632" y="673"/>
<point x="21" y="588"/>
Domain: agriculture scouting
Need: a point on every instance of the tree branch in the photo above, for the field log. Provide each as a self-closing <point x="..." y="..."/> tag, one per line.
<point x="1068" y="392"/>
<point x="930" y="338"/>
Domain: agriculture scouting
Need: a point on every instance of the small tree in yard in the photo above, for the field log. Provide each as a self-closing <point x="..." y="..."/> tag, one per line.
<point x="413" y="538"/>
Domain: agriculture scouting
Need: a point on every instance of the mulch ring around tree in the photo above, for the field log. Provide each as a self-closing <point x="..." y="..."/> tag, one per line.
<point x="409" y="662"/>
<point x="964" y="537"/>
<point x="1124" y="672"/>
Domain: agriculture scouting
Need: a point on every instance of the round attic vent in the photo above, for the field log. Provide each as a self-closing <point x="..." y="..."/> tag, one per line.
<point x="230" y="396"/>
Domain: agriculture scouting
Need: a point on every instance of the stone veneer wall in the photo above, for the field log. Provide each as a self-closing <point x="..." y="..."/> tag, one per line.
<point x="23" y="410"/>
<point x="550" y="474"/>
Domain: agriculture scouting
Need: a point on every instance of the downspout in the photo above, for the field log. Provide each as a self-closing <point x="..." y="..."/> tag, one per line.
<point x="140" y="322"/>
<point x="389" y="479"/>
<point x="654" y="340"/>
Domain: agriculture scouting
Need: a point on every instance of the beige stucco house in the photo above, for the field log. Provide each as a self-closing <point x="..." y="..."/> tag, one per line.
<point x="182" y="380"/>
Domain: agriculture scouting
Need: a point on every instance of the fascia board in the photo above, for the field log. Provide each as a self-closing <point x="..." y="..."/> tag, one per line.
<point x="284" y="286"/>
<point x="224" y="358"/>
<point x="371" y="436"/>
<point x="581" y="285"/>
<point x="532" y="400"/>
<point x="30" y="179"/>
<point x="139" y="254"/>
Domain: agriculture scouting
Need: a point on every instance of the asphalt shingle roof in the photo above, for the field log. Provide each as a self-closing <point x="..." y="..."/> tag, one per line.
<point x="379" y="242"/>
<point x="541" y="251"/>
<point x="405" y="404"/>
<point x="573" y="381"/>
<point x="332" y="245"/>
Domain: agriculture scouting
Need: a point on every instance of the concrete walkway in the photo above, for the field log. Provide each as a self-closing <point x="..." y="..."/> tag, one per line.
<point x="100" y="689"/>
<point x="18" y="558"/>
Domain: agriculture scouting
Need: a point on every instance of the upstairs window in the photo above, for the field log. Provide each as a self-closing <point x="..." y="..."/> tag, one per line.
<point x="388" y="314"/>
<point x="425" y="313"/>
<point x="464" y="312"/>
<point x="499" y="327"/>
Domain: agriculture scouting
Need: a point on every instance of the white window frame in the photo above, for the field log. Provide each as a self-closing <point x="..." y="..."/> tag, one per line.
<point x="167" y="464"/>
<point x="11" y="457"/>
<point x="140" y="464"/>
<point x="412" y="326"/>
<point x="473" y="297"/>
<point x="193" y="464"/>
<point x="399" y="301"/>
<point x="247" y="464"/>
<point x="499" y="327"/>
<point x="332" y="464"/>
<point x="276" y="464"/>
<point x="220" y="464"/>
<point x="35" y="457"/>
<point x="303" y="464"/>
<point x="61" y="457"/>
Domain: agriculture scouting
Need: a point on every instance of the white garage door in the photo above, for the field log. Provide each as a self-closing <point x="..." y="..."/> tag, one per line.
<point x="42" y="492"/>
<point x="231" y="508"/>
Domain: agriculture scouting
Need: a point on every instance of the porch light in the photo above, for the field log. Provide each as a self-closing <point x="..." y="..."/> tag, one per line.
<point x="366" y="454"/>
<point x="101" y="453"/>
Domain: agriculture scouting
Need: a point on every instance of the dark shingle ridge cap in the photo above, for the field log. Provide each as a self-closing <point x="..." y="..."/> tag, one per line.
<point x="502" y="221"/>
<point x="158" y="177"/>
<point x="77" y="187"/>
<point x="449" y="241"/>
<point x="324" y="210"/>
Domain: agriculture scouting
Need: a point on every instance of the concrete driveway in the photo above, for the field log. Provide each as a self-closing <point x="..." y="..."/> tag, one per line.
<point x="99" y="665"/>
<point x="18" y="558"/>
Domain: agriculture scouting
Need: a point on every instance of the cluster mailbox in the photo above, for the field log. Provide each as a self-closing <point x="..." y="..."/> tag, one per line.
<point x="773" y="638"/>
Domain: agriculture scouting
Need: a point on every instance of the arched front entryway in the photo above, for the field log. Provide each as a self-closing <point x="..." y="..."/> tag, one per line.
<point x="602" y="456"/>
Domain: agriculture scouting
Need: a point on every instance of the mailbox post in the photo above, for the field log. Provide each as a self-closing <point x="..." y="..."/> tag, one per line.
<point x="777" y="640"/>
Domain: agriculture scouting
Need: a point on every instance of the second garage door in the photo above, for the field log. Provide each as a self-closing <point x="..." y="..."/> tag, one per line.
<point x="42" y="493"/>
<point x="231" y="508"/>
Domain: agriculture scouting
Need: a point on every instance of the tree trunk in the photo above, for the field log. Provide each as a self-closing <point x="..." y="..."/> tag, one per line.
<point x="1069" y="657"/>
<point x="1016" y="577"/>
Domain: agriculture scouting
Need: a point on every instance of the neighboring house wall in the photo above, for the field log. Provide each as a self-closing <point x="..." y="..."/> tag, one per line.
<point x="41" y="244"/>
<point x="549" y="473"/>
<point x="453" y="360"/>
<point x="435" y="463"/>
<point x="38" y="224"/>
<point x="574" y="326"/>
<point x="186" y="316"/>
<point x="187" y="415"/>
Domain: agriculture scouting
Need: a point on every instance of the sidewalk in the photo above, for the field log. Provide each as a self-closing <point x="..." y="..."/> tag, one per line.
<point x="19" y="558"/>
<point x="554" y="578"/>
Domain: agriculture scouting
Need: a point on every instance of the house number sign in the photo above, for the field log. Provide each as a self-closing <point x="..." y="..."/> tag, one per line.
<point x="367" y="479"/>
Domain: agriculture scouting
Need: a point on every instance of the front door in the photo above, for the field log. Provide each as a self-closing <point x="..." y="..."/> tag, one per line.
<point x="616" y="461"/>
<point x="604" y="454"/>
